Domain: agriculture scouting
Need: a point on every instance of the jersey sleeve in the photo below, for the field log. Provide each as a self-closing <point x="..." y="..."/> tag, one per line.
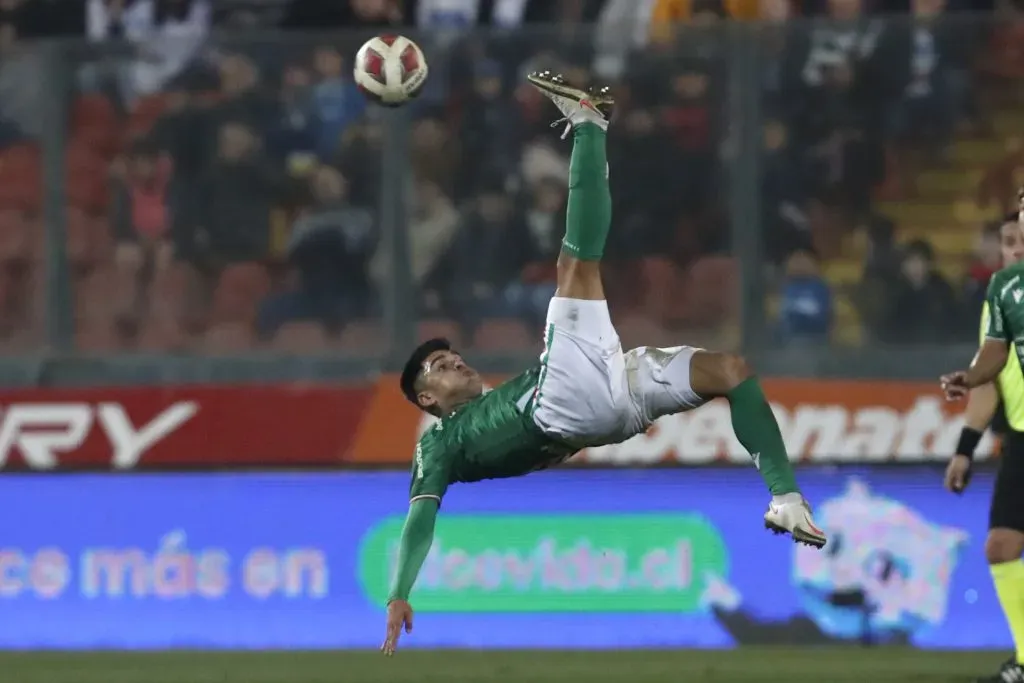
<point x="431" y="469"/>
<point x="996" y="325"/>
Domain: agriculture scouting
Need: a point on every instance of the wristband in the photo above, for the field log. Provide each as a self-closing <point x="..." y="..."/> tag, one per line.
<point x="969" y="439"/>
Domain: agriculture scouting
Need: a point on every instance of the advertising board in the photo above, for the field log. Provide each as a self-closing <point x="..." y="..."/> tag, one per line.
<point x="566" y="558"/>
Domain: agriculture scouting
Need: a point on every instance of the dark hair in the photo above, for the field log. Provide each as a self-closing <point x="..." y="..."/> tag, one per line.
<point x="414" y="366"/>
<point x="921" y="248"/>
<point x="1011" y="217"/>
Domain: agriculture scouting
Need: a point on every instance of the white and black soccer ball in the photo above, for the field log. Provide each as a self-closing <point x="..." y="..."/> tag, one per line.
<point x="390" y="70"/>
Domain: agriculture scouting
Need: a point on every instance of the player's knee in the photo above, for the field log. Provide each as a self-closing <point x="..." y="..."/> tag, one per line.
<point x="735" y="369"/>
<point x="1004" y="545"/>
<point x="716" y="374"/>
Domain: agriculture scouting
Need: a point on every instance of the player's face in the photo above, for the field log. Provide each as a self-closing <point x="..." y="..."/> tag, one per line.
<point x="447" y="380"/>
<point x="1011" y="243"/>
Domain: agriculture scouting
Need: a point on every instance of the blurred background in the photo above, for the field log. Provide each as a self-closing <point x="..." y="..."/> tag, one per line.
<point x="214" y="254"/>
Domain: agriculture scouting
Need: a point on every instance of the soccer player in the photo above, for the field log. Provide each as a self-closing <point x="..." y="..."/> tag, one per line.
<point x="1005" y="542"/>
<point x="585" y="391"/>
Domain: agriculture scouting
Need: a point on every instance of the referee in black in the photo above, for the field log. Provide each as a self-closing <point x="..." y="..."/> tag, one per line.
<point x="1004" y="544"/>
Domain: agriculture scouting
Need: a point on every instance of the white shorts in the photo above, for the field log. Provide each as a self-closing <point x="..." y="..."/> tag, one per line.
<point x="590" y="393"/>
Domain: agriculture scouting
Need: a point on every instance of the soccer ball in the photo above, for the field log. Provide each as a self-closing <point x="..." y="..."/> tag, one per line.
<point x="390" y="70"/>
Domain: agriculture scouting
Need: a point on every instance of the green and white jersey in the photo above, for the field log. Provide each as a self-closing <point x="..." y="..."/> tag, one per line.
<point x="1005" y="301"/>
<point x="491" y="437"/>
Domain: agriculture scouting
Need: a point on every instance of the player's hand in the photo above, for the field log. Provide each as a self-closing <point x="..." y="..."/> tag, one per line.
<point x="958" y="473"/>
<point x="954" y="385"/>
<point x="399" y="617"/>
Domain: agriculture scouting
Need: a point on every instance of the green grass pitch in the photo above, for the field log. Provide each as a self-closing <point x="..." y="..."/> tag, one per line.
<point x="747" y="665"/>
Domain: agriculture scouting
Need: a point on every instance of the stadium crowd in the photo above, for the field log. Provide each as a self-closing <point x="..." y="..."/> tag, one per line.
<point x="223" y="179"/>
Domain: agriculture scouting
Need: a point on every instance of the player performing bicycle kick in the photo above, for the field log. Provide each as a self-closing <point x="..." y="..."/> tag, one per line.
<point x="585" y="391"/>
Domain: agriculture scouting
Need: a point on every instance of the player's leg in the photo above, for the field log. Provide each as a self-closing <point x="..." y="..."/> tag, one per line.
<point x="1004" y="547"/>
<point x="582" y="397"/>
<point x="673" y="380"/>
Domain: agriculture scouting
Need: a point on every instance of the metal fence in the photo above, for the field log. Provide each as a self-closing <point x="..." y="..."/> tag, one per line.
<point x="811" y="193"/>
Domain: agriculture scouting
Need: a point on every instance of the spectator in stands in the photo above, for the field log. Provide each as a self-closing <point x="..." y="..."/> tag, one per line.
<point x="484" y="258"/>
<point x="987" y="260"/>
<point x="22" y="93"/>
<point x="433" y="225"/>
<point x="846" y="83"/>
<point x="293" y="142"/>
<point x="488" y="128"/>
<point x="784" y="219"/>
<point x="235" y="198"/>
<point x="641" y="152"/>
<point x="881" y="271"/>
<point x="358" y="157"/>
<point x="242" y="97"/>
<point x="319" y="15"/>
<point x="329" y="251"/>
<point x="166" y="35"/>
<point x="921" y="308"/>
<point x="668" y="13"/>
<point x="140" y="214"/>
<point x="783" y="53"/>
<point x="336" y="99"/>
<point x="528" y="297"/>
<point x="689" y="117"/>
<point x="935" y="85"/>
<point x="805" y="313"/>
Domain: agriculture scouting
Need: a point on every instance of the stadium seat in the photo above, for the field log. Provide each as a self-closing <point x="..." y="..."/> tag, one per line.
<point x="227" y="338"/>
<point x="363" y="336"/>
<point x="105" y="294"/>
<point x="97" y="336"/>
<point x="429" y="329"/>
<point x="167" y="291"/>
<point x="301" y="337"/>
<point x="239" y="291"/>
<point x="80" y="252"/>
<point x="15" y="237"/>
<point x="145" y="113"/>
<point x="505" y="335"/>
<point x="713" y="292"/>
<point x="93" y="111"/>
<point x="160" y="333"/>
<point x="663" y="296"/>
<point x="21" y="177"/>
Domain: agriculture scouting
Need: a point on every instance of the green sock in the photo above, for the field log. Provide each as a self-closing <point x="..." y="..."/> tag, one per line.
<point x="589" y="213"/>
<point x="756" y="428"/>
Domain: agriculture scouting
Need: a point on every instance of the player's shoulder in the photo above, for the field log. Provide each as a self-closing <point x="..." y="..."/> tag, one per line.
<point x="1002" y="280"/>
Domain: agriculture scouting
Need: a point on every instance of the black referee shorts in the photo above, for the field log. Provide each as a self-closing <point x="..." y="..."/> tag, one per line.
<point x="1007" y="510"/>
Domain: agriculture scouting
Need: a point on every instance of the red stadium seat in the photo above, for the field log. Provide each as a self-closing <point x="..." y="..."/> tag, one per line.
<point x="429" y="329"/>
<point x="97" y="336"/>
<point x="506" y="335"/>
<point x="168" y="290"/>
<point x="663" y="295"/>
<point x="363" y="336"/>
<point x="301" y="337"/>
<point x="15" y="237"/>
<point x="228" y="338"/>
<point x="93" y="111"/>
<point x="239" y="292"/>
<point x="105" y="294"/>
<point x="713" y="290"/>
<point x="161" y="334"/>
<point x="79" y="238"/>
<point x="145" y="113"/>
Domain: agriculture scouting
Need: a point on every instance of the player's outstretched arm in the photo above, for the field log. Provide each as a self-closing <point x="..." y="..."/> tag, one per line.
<point x="417" y="537"/>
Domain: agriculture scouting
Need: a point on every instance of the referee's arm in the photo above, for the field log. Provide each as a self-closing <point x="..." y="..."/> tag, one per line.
<point x="982" y="403"/>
